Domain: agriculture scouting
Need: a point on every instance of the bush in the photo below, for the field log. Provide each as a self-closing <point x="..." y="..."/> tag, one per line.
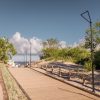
<point x="97" y="59"/>
<point x="87" y="66"/>
<point x="77" y="55"/>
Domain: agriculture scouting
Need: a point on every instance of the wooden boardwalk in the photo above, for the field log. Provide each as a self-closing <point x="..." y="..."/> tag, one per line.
<point x="41" y="87"/>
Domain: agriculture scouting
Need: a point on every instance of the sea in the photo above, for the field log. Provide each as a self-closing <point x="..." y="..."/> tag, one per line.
<point x="22" y="59"/>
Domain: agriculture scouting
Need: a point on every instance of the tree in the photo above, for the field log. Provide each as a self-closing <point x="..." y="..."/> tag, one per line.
<point x="51" y="43"/>
<point x="97" y="26"/>
<point x="96" y="43"/>
<point x="7" y="50"/>
<point x="96" y="36"/>
<point x="79" y="55"/>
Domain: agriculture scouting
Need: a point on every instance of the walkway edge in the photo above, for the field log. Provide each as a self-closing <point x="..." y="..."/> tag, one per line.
<point x="52" y="76"/>
<point x="5" y="93"/>
<point x="20" y="86"/>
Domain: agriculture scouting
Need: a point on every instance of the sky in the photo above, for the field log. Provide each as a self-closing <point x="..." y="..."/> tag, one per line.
<point x="44" y="19"/>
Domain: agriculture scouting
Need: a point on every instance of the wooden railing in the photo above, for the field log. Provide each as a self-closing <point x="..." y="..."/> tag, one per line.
<point x="70" y="72"/>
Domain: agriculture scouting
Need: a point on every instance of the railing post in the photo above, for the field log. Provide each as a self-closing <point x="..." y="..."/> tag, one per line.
<point x="46" y="67"/>
<point x="69" y="74"/>
<point x="59" y="71"/>
<point x="52" y="69"/>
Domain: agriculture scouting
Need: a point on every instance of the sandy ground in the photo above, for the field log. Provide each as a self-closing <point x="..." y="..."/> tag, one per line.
<point x="41" y="87"/>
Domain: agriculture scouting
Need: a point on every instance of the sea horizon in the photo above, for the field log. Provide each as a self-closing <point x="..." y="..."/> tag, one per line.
<point x="25" y="58"/>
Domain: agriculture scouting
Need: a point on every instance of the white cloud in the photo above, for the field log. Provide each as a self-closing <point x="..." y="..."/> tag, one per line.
<point x="22" y="44"/>
<point x="81" y="42"/>
<point x="63" y="44"/>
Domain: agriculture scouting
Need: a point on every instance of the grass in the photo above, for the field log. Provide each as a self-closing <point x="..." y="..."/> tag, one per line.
<point x="13" y="90"/>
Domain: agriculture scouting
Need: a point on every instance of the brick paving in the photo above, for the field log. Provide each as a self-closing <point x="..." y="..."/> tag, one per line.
<point x="41" y="87"/>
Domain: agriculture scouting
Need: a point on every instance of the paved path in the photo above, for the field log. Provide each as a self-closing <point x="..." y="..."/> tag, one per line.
<point x="1" y="93"/>
<point x="41" y="87"/>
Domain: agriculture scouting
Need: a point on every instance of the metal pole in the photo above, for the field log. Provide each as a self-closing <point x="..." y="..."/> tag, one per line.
<point x="30" y="53"/>
<point x="26" y="57"/>
<point x="92" y="57"/>
<point x="90" y="22"/>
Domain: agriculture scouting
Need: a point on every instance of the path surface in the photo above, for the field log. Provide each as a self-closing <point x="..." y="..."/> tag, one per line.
<point x="1" y="93"/>
<point x="41" y="87"/>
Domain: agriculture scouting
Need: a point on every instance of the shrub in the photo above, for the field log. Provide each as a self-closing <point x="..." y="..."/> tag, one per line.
<point x="97" y="59"/>
<point x="87" y="66"/>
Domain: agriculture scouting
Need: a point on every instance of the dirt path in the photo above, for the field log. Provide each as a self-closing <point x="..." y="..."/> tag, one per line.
<point x="41" y="87"/>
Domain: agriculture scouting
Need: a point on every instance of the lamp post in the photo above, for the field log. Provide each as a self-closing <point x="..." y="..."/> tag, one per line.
<point x="90" y="22"/>
<point x="30" y="52"/>
<point x="26" y="57"/>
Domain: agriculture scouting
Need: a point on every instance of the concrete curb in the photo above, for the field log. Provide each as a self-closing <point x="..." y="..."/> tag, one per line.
<point x="20" y="86"/>
<point x="52" y="76"/>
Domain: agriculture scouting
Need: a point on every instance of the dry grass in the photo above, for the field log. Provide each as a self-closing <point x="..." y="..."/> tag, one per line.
<point x="13" y="90"/>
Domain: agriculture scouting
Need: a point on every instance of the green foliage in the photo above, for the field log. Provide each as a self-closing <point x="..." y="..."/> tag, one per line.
<point x="80" y="55"/>
<point x="87" y="66"/>
<point x="96" y="36"/>
<point x="96" y="42"/>
<point x="77" y="55"/>
<point x="6" y="50"/>
<point x="50" y="52"/>
<point x="97" y="59"/>
<point x="51" y="43"/>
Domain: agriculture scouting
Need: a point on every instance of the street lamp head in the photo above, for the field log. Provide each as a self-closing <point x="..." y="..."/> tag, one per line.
<point x="88" y="14"/>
